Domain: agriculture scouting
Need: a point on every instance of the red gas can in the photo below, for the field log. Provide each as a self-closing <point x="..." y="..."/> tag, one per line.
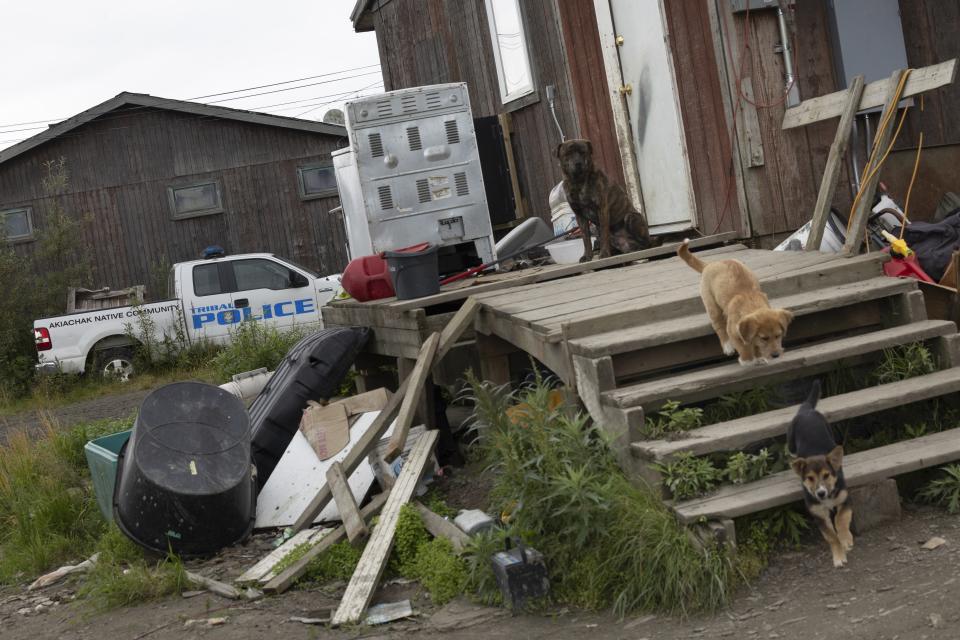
<point x="367" y="278"/>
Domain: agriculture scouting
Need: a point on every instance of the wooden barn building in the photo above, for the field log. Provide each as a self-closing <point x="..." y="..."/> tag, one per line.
<point x="154" y="181"/>
<point x="684" y="100"/>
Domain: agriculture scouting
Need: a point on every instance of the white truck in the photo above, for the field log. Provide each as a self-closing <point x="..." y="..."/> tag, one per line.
<point x="208" y="299"/>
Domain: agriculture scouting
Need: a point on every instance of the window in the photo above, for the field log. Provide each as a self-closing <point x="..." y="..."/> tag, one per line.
<point x="261" y="274"/>
<point x="195" y="200"/>
<point x="509" y="49"/>
<point x="206" y="280"/>
<point x="316" y="182"/>
<point x="17" y="224"/>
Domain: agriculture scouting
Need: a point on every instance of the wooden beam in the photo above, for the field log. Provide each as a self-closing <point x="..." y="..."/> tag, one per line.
<point x="375" y="555"/>
<point x="874" y="95"/>
<point x="285" y="579"/>
<point x="442" y="528"/>
<point x="506" y="128"/>
<point x="857" y="227"/>
<point x="417" y="378"/>
<point x="828" y="185"/>
<point x="262" y="571"/>
<point x="346" y="505"/>
<point x="358" y="453"/>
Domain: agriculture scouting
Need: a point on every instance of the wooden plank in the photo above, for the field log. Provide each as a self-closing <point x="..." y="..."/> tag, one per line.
<point x="442" y="528"/>
<point x="544" y="274"/>
<point x="859" y="469"/>
<point x="751" y="125"/>
<point x="874" y="95"/>
<point x="346" y="505"/>
<point x="715" y="381"/>
<point x="857" y="227"/>
<point x="675" y="330"/>
<point x="286" y="578"/>
<point x="734" y="435"/>
<point x="262" y="571"/>
<point x="412" y="395"/>
<point x="828" y="185"/>
<point x="448" y="337"/>
<point x="374" y="559"/>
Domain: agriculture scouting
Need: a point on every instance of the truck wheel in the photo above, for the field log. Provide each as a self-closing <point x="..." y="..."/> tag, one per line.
<point x="116" y="363"/>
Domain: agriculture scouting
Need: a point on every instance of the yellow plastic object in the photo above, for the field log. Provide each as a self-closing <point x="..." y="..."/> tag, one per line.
<point x="897" y="245"/>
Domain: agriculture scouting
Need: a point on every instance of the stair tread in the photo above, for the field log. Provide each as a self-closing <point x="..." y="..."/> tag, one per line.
<point x="714" y="381"/>
<point x="697" y="325"/>
<point x="733" y="435"/>
<point x="859" y="469"/>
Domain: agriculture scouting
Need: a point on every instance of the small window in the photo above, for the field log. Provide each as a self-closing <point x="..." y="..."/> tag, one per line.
<point x="317" y="182"/>
<point x="206" y="280"/>
<point x="509" y="49"/>
<point x="195" y="200"/>
<point x="17" y="224"/>
<point x="261" y="274"/>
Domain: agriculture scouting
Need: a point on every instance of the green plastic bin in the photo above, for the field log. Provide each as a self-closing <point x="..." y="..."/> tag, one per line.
<point x="102" y="460"/>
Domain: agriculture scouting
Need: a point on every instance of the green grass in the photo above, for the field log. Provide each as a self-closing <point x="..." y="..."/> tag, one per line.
<point x="51" y="391"/>
<point x="49" y="517"/>
<point x="608" y="544"/>
<point x="944" y="491"/>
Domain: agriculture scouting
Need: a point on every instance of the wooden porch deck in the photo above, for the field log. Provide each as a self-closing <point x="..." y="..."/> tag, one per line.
<point x="630" y="333"/>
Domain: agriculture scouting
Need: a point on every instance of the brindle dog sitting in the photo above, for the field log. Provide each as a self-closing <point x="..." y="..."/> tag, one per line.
<point x="595" y="199"/>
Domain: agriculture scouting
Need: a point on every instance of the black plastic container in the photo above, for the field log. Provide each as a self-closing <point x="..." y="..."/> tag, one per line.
<point x="184" y="478"/>
<point x="415" y="272"/>
<point x="311" y="370"/>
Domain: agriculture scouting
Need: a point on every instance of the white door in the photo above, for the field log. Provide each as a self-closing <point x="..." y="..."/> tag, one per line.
<point x="274" y="293"/>
<point x="211" y="311"/>
<point x="654" y="112"/>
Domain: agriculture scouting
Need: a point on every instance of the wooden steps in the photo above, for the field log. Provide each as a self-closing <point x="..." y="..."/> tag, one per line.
<point x="712" y="382"/>
<point x="858" y="469"/>
<point x="698" y="325"/>
<point x="734" y="435"/>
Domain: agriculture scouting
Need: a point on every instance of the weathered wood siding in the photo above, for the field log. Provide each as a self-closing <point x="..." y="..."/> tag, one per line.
<point x="121" y="164"/>
<point x="704" y="117"/>
<point x="585" y="58"/>
<point x="437" y="41"/>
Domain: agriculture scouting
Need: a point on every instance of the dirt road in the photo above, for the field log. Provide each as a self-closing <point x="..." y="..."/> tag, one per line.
<point x="118" y="405"/>
<point x="892" y="589"/>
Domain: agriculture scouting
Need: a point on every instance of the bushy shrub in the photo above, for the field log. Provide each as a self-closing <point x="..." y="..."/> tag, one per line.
<point x="607" y="542"/>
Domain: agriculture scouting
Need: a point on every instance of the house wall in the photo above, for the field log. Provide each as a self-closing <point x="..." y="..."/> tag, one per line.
<point x="426" y="42"/>
<point x="121" y="164"/>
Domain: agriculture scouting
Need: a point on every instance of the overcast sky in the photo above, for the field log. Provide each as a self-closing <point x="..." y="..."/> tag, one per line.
<point x="60" y="57"/>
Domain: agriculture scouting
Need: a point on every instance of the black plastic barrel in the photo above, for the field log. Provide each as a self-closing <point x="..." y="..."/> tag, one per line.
<point x="415" y="274"/>
<point x="184" y="478"/>
<point x="311" y="370"/>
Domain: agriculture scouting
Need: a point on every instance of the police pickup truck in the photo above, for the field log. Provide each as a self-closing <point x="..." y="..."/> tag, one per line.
<point x="208" y="299"/>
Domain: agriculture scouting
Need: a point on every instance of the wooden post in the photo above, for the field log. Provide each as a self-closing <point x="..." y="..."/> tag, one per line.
<point x="412" y="397"/>
<point x="494" y="358"/>
<point x="828" y="185"/>
<point x="858" y="222"/>
<point x="520" y="205"/>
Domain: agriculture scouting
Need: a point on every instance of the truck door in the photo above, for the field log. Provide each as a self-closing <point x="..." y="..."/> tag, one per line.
<point x="210" y="312"/>
<point x="272" y="292"/>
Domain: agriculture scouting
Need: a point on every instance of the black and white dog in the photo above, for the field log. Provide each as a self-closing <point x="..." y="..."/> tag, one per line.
<point x="818" y="460"/>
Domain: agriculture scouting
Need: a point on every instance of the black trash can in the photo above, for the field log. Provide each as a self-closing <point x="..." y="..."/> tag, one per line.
<point x="414" y="271"/>
<point x="184" y="478"/>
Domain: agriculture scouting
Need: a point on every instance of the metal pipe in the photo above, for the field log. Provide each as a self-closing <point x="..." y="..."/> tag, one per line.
<point x="793" y="96"/>
<point x="248" y="385"/>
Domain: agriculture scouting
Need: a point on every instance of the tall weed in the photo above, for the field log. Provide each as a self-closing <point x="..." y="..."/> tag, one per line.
<point x="254" y="345"/>
<point x="607" y="543"/>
